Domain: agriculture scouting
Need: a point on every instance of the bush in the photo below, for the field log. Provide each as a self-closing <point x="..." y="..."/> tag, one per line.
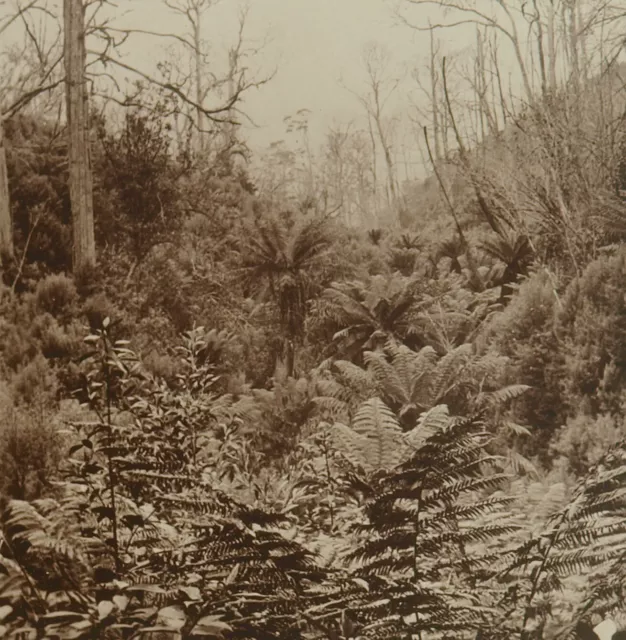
<point x="29" y="452"/>
<point x="592" y="330"/>
<point x="56" y="294"/>
<point x="96" y="309"/>
<point x="584" y="440"/>
<point x="525" y="333"/>
<point x="35" y="383"/>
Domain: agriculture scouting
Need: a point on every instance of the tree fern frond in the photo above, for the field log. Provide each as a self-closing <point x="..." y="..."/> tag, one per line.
<point x="353" y="377"/>
<point x="427" y="425"/>
<point x="386" y="377"/>
<point x="355" y="447"/>
<point x="506" y="394"/>
<point x="375" y="439"/>
<point x="423" y="363"/>
<point x="446" y="369"/>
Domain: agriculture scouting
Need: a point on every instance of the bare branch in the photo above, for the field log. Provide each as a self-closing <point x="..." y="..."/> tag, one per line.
<point x="156" y="34"/>
<point x="209" y="113"/>
<point x="8" y="21"/>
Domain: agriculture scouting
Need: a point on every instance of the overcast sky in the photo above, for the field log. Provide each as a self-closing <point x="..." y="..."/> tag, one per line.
<point x="312" y="45"/>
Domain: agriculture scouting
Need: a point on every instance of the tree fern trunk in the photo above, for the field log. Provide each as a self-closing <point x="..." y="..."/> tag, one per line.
<point x="285" y="361"/>
<point x="80" y="177"/>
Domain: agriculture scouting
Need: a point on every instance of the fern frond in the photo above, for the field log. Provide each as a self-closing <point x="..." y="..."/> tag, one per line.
<point x="446" y="369"/>
<point x="429" y="423"/>
<point x="386" y="377"/>
<point x="376" y="422"/>
<point x="506" y="394"/>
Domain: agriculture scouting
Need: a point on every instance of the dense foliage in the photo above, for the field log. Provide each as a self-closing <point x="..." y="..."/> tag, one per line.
<point x="254" y="421"/>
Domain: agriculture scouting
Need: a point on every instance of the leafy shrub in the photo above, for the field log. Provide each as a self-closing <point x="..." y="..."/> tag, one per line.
<point x="96" y="308"/>
<point x="36" y="382"/>
<point x="57" y="342"/>
<point x="30" y="451"/>
<point x="136" y="205"/>
<point x="583" y="440"/>
<point x="16" y="345"/>
<point x="37" y="164"/>
<point x="525" y="332"/>
<point x="592" y="329"/>
<point x="56" y="294"/>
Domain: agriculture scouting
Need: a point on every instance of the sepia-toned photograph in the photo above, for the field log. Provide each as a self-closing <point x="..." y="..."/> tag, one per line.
<point x="313" y="319"/>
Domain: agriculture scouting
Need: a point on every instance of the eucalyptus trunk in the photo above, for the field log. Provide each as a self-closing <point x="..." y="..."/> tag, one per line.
<point x="80" y="176"/>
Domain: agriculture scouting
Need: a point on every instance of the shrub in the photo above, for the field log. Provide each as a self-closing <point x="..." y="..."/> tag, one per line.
<point x="525" y="333"/>
<point x="592" y="329"/>
<point x="584" y="440"/>
<point x="34" y="383"/>
<point x="96" y="308"/>
<point x="56" y="294"/>
<point x="29" y="452"/>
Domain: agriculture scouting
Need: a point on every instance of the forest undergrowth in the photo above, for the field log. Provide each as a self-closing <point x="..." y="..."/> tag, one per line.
<point x="254" y="421"/>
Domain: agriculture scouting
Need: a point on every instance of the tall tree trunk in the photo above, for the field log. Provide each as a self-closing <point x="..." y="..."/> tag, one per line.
<point x="6" y="227"/>
<point x="199" y="73"/>
<point x="572" y="27"/>
<point x="541" y="50"/>
<point x="229" y="128"/>
<point x="551" y="46"/>
<point x="434" y="98"/>
<point x="80" y="176"/>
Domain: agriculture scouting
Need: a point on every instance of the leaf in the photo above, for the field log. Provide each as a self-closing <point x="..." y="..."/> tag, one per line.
<point x="518" y="429"/>
<point x="121" y="602"/>
<point x="146" y="588"/>
<point x="193" y="593"/>
<point x="5" y="610"/>
<point x="232" y="576"/>
<point x="361" y="583"/>
<point x="58" y="617"/>
<point x="105" y="608"/>
<point x="74" y="449"/>
<point x="211" y="626"/>
<point x="151" y="630"/>
<point x="173" y="617"/>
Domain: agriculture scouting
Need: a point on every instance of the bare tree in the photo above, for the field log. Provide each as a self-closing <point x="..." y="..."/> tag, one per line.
<point x="194" y="11"/>
<point x="6" y="224"/>
<point x="205" y="83"/>
<point x="381" y="86"/>
<point x="432" y="114"/>
<point x="499" y="15"/>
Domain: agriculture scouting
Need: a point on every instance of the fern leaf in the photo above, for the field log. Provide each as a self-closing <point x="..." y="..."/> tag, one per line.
<point x="447" y="368"/>
<point x="377" y="423"/>
<point x="428" y="424"/>
<point x="387" y="379"/>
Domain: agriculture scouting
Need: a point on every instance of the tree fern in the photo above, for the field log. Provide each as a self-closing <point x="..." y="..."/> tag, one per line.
<point x="411" y="382"/>
<point x="422" y="548"/>
<point x="374" y="441"/>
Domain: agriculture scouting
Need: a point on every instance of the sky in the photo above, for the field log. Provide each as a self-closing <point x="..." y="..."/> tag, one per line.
<point x="315" y="47"/>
